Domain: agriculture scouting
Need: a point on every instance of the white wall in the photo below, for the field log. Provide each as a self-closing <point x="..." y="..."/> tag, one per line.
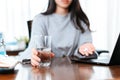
<point x="37" y="6"/>
<point x="96" y="11"/>
<point x="113" y="22"/>
<point x="104" y="16"/>
<point x="14" y="15"/>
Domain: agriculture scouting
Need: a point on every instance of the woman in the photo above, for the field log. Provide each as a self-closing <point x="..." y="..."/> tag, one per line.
<point x="63" y="20"/>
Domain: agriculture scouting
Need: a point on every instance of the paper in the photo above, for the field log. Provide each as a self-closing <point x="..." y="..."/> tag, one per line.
<point x="7" y="61"/>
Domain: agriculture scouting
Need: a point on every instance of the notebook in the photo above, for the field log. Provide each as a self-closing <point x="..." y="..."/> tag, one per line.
<point x="113" y="59"/>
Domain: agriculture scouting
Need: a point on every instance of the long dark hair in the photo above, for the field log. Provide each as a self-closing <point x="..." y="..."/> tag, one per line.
<point x="77" y="14"/>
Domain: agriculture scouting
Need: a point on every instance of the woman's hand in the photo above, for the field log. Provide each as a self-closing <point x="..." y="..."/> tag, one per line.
<point x="35" y="59"/>
<point x="86" y="49"/>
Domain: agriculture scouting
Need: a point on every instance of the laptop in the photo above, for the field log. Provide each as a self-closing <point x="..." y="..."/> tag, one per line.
<point x="113" y="59"/>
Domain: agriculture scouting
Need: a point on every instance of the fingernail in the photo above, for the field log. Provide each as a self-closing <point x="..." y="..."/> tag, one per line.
<point x="86" y="54"/>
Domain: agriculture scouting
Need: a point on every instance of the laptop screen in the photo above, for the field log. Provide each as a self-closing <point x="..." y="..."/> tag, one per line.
<point x="116" y="52"/>
<point x="112" y="40"/>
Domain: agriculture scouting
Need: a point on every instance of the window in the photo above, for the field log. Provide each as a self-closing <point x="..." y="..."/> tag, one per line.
<point x="104" y="16"/>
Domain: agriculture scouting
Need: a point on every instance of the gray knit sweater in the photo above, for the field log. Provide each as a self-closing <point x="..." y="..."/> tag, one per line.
<point x="63" y="32"/>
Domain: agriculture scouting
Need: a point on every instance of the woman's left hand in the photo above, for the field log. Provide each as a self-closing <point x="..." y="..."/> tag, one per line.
<point x="86" y="49"/>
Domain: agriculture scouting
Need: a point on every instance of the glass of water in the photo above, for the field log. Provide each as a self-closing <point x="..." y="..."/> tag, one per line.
<point x="43" y="45"/>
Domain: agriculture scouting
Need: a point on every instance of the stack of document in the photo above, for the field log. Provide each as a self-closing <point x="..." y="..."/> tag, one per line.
<point x="7" y="62"/>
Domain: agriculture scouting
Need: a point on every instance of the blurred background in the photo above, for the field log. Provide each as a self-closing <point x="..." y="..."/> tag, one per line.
<point x="104" y="16"/>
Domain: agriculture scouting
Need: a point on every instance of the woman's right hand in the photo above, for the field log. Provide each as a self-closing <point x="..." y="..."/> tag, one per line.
<point x="35" y="59"/>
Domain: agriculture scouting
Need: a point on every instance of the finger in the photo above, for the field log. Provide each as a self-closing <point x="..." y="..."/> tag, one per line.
<point x="81" y="50"/>
<point x="35" y="52"/>
<point x="86" y="53"/>
<point x="34" y="63"/>
<point x="92" y="48"/>
<point x="90" y="51"/>
<point x="34" y="55"/>
<point x="36" y="58"/>
<point x="52" y="55"/>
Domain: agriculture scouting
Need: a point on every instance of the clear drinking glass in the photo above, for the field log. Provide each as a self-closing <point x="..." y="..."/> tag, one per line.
<point x="43" y="45"/>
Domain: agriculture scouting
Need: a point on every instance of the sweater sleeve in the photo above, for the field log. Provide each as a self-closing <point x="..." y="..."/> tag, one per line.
<point x="83" y="38"/>
<point x="38" y="28"/>
<point x="86" y="36"/>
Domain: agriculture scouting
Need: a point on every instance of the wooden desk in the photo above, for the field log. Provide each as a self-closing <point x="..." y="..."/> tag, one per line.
<point x="62" y="69"/>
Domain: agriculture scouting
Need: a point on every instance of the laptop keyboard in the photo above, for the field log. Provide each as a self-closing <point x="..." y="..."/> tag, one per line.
<point x="102" y="59"/>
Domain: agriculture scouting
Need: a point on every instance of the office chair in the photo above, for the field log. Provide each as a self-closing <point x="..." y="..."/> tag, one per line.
<point x="29" y="23"/>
